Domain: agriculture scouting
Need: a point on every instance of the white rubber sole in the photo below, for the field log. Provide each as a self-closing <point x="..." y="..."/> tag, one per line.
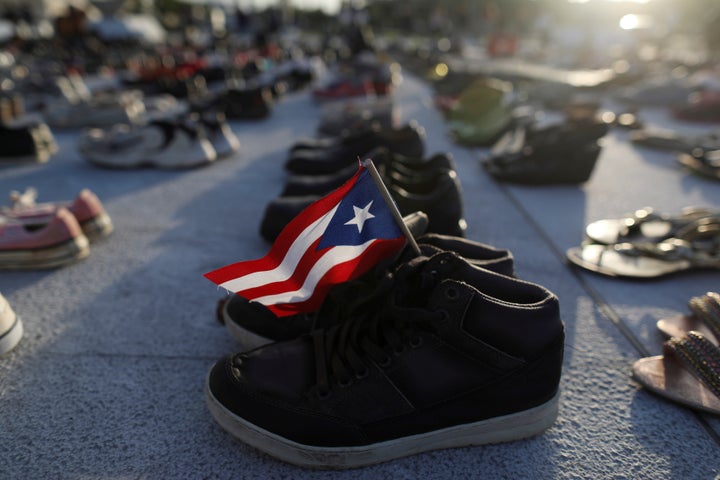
<point x="515" y="426"/>
<point x="97" y="227"/>
<point x="12" y="337"/>
<point x="51" y="257"/>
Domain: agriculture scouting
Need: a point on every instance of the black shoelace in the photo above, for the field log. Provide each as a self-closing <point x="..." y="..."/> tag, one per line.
<point x="378" y="327"/>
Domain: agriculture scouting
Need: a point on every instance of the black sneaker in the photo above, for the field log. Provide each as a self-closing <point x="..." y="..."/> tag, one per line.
<point x="562" y="153"/>
<point x="407" y="140"/>
<point x="253" y="325"/>
<point x="245" y="103"/>
<point x="545" y="165"/>
<point x="455" y="356"/>
<point x="438" y="193"/>
<point x="389" y="165"/>
<point x="20" y="144"/>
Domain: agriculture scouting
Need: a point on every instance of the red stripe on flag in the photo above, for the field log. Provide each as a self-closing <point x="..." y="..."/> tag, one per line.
<point x="308" y="260"/>
<point x="286" y="238"/>
<point x="342" y="272"/>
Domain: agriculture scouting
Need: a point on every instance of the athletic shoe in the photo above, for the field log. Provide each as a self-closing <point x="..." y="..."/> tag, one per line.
<point x="219" y="133"/>
<point x="389" y="165"/>
<point x="253" y="325"/>
<point x="98" y="111"/>
<point x="545" y="166"/>
<point x="160" y="143"/>
<point x="11" y="328"/>
<point x="438" y="194"/>
<point x="86" y="207"/>
<point x="25" y="244"/>
<point x="438" y="363"/>
<point x="338" y="118"/>
<point x="407" y="140"/>
<point x="245" y="103"/>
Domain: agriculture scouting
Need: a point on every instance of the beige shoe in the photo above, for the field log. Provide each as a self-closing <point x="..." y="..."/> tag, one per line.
<point x="11" y="328"/>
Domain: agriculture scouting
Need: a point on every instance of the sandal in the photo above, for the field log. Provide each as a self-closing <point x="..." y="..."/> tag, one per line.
<point x="665" y="139"/>
<point x="704" y="319"/>
<point x="645" y="224"/>
<point x="702" y="162"/>
<point x="697" y="248"/>
<point x="688" y="373"/>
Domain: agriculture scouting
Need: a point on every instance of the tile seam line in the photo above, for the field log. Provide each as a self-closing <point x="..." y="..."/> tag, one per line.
<point x="602" y="305"/>
<point x="125" y="355"/>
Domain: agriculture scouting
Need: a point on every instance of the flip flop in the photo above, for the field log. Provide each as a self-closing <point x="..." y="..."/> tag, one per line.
<point x="666" y="139"/>
<point x="688" y="373"/>
<point x="702" y="162"/>
<point x="645" y="224"/>
<point x="705" y="319"/>
<point x="698" y="249"/>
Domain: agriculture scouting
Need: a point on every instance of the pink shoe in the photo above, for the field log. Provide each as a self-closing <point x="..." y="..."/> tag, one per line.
<point x="87" y="209"/>
<point x="56" y="241"/>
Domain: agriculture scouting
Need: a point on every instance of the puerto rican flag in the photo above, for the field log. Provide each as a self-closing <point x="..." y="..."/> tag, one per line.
<point x="335" y="239"/>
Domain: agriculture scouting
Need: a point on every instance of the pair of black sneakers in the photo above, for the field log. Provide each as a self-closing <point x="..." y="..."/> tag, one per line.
<point x="438" y="350"/>
<point x="415" y="183"/>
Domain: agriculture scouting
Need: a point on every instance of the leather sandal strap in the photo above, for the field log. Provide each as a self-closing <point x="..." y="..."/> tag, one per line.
<point x="699" y="355"/>
<point x="707" y="308"/>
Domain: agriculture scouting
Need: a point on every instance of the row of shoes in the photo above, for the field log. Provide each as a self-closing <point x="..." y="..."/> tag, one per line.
<point x="416" y="183"/>
<point x="361" y="76"/>
<point x="650" y="244"/>
<point x="688" y="371"/>
<point x="50" y="234"/>
<point x="442" y="349"/>
<point x="542" y="153"/>
<point x="186" y="140"/>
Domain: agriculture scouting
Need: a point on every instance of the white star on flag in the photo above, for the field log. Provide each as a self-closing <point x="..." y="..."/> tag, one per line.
<point x="361" y="216"/>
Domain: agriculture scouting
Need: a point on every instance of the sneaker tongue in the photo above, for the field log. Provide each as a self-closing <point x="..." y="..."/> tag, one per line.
<point x="417" y="278"/>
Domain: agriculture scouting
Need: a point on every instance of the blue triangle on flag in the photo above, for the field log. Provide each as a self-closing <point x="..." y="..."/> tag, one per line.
<point x="362" y="215"/>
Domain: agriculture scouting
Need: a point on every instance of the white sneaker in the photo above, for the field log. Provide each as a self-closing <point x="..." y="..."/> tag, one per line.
<point x="218" y="131"/>
<point x="160" y="143"/>
<point x="11" y="328"/>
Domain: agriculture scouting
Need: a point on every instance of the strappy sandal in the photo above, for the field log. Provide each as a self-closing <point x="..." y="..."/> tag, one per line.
<point x="702" y="162"/>
<point x="671" y="140"/>
<point x="698" y="248"/>
<point x="705" y="319"/>
<point x="645" y="224"/>
<point x="687" y="373"/>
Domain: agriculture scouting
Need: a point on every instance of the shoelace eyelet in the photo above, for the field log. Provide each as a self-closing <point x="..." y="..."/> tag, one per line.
<point x="399" y="350"/>
<point x="362" y="374"/>
<point x="452" y="294"/>
<point x="323" y="395"/>
<point x="385" y="361"/>
<point x="416" y="342"/>
<point x="344" y="383"/>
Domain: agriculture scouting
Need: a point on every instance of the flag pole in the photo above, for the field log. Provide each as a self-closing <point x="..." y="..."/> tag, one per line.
<point x="368" y="163"/>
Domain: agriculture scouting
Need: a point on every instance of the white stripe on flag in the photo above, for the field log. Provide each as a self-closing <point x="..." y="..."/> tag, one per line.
<point x="286" y="268"/>
<point x="332" y="257"/>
